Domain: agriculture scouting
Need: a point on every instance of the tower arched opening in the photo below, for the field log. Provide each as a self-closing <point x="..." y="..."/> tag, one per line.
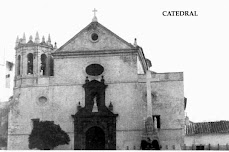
<point x="19" y="65"/>
<point x="30" y="63"/>
<point x="43" y="67"/>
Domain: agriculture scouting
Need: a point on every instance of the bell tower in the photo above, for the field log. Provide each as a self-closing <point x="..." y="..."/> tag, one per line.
<point x="33" y="60"/>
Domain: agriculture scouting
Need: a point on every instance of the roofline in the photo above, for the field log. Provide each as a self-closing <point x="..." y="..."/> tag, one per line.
<point x="129" y="44"/>
<point x="60" y="48"/>
<point x="204" y="133"/>
<point x="142" y="58"/>
<point x="21" y="45"/>
<point x="212" y="133"/>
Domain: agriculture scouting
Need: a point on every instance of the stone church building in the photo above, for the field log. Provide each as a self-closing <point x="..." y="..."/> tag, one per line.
<point x="99" y="89"/>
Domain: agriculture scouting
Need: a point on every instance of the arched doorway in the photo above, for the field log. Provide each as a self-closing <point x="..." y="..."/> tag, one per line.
<point x="95" y="139"/>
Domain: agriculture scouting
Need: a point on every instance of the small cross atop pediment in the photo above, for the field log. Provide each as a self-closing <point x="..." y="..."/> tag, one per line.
<point x="94" y="18"/>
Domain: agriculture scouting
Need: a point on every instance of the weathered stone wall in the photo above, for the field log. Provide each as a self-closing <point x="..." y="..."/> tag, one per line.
<point x="167" y="101"/>
<point x="169" y="104"/>
<point x="116" y="69"/>
<point x="127" y="102"/>
<point x="128" y="139"/>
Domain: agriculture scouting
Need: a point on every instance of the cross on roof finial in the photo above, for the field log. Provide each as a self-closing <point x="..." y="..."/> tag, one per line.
<point x="95" y="18"/>
<point x="94" y="11"/>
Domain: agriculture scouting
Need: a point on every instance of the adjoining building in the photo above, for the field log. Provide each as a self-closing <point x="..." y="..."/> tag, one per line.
<point x="7" y="78"/>
<point x="6" y="88"/>
<point x="207" y="136"/>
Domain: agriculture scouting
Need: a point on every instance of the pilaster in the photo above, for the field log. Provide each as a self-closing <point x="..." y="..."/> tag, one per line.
<point x="35" y="61"/>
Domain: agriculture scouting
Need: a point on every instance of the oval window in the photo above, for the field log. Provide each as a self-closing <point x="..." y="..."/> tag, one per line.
<point x="94" y="69"/>
<point x="42" y="100"/>
<point x="94" y="36"/>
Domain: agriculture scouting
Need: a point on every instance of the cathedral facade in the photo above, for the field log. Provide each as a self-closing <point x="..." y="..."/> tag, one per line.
<point x="99" y="89"/>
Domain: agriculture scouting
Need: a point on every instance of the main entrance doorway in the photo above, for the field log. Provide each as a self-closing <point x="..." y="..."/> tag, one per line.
<point x="95" y="139"/>
<point x="95" y="130"/>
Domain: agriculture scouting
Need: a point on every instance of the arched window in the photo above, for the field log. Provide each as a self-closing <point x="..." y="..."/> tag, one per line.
<point x="51" y="66"/>
<point x="43" y="64"/>
<point x="30" y="63"/>
<point x="19" y="65"/>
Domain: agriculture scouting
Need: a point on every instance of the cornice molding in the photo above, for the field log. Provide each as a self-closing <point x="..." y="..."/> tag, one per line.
<point x="33" y="45"/>
<point x="94" y="52"/>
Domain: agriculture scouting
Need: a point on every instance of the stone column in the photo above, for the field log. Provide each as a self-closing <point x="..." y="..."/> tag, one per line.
<point x="47" y="72"/>
<point x="24" y="62"/>
<point x="35" y="61"/>
<point x="149" y="98"/>
<point x="38" y="62"/>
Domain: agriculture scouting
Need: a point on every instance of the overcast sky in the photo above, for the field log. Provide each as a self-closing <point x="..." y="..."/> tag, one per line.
<point x="197" y="46"/>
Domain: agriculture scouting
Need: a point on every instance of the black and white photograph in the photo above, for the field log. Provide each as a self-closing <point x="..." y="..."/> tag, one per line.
<point x="114" y="75"/>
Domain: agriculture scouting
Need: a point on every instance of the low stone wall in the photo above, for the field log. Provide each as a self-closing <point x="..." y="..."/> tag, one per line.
<point x="206" y="147"/>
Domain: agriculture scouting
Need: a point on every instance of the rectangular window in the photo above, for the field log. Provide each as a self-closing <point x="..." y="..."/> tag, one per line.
<point x="158" y="121"/>
<point x="8" y="75"/>
<point x="7" y="84"/>
<point x="9" y="65"/>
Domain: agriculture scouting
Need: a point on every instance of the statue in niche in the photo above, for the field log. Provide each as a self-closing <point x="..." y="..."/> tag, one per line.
<point x="95" y="107"/>
<point x="95" y="100"/>
<point x="95" y="92"/>
<point x="155" y="123"/>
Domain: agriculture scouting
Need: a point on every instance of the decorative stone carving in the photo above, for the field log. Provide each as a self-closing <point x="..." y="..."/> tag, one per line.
<point x="85" y="119"/>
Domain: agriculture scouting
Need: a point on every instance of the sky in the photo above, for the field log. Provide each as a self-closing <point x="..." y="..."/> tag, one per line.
<point x="195" y="45"/>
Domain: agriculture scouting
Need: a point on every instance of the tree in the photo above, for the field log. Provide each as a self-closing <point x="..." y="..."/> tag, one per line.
<point x="47" y="135"/>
